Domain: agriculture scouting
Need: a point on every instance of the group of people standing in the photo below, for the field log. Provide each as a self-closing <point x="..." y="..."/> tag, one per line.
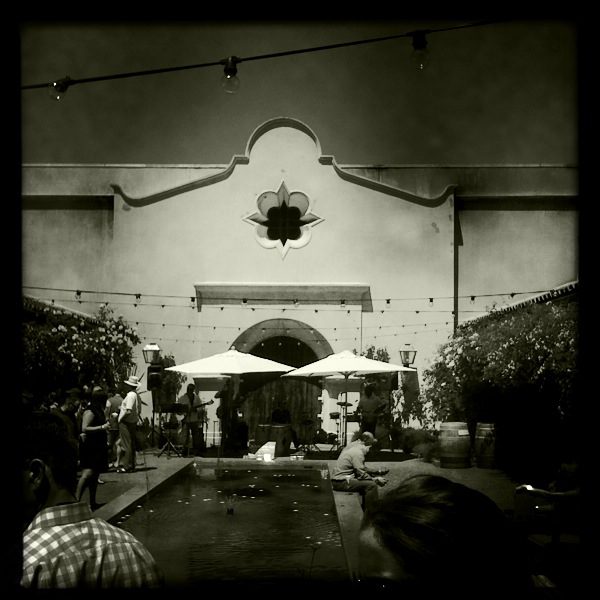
<point x="103" y="424"/>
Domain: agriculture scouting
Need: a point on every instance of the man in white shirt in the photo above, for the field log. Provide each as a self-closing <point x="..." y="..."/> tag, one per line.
<point x="128" y="418"/>
<point x="350" y="473"/>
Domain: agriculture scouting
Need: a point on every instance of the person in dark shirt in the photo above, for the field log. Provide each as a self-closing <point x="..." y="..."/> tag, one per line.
<point x="93" y="445"/>
<point x="67" y="411"/>
<point x="281" y="416"/>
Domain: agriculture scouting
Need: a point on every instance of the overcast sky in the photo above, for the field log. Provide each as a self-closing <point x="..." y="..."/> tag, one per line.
<point x="500" y="93"/>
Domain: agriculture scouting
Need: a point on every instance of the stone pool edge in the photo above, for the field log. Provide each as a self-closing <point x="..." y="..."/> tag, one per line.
<point x="347" y="505"/>
<point x="141" y="488"/>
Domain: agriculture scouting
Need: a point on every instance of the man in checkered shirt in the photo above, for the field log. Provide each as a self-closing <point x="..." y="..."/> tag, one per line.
<point x="64" y="546"/>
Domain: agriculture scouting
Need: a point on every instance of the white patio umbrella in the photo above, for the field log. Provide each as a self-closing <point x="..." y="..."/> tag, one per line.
<point x="345" y="363"/>
<point x="231" y="362"/>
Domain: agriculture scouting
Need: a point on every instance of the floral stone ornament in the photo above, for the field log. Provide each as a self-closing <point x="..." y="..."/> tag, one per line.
<point x="284" y="220"/>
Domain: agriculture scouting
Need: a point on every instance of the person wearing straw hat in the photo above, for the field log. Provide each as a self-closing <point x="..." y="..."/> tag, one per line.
<point x="128" y="418"/>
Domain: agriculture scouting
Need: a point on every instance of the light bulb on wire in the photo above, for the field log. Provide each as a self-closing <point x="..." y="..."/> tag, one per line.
<point x="57" y="89"/>
<point x="230" y="82"/>
<point x="420" y="54"/>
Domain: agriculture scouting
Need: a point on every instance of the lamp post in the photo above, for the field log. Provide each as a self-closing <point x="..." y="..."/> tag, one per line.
<point x="407" y="355"/>
<point x="152" y="358"/>
<point x="408" y="381"/>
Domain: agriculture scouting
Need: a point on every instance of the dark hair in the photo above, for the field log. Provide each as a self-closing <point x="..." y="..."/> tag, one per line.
<point x="45" y="437"/>
<point x="367" y="437"/>
<point x="443" y="532"/>
<point x="98" y="395"/>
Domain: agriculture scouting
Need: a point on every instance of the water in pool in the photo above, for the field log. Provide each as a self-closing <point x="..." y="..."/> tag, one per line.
<point x="242" y="524"/>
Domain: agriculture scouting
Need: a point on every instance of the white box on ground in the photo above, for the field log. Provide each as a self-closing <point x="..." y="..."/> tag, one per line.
<point x="266" y="451"/>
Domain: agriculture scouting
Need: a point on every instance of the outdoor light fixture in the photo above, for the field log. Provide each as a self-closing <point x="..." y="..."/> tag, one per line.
<point x="407" y="355"/>
<point x="420" y="54"/>
<point x="151" y="353"/>
<point x="230" y="82"/>
<point x="57" y="89"/>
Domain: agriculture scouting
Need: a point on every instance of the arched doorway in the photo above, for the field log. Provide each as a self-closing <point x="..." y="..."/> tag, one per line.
<point x="293" y="343"/>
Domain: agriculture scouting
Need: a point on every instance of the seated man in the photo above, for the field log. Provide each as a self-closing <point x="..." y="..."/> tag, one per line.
<point x="350" y="473"/>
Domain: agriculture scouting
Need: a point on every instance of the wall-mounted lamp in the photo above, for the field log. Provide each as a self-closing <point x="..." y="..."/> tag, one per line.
<point x="230" y="82"/>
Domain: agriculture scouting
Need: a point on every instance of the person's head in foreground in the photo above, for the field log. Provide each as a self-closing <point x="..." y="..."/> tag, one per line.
<point x="49" y="464"/>
<point x="431" y="534"/>
<point x="64" y="545"/>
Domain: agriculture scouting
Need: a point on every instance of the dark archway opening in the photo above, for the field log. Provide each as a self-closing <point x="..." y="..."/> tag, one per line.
<point x="299" y="397"/>
<point x="284" y="349"/>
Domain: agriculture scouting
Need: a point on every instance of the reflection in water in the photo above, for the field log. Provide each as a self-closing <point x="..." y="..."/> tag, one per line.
<point x="243" y="525"/>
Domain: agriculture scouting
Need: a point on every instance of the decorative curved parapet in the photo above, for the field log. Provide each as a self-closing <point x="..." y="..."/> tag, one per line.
<point x="323" y="160"/>
<point x="390" y="190"/>
<point x="187" y="187"/>
<point x="281" y="122"/>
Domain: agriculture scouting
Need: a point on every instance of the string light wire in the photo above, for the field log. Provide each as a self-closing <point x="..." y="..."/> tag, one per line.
<point x="386" y="300"/>
<point x="63" y="84"/>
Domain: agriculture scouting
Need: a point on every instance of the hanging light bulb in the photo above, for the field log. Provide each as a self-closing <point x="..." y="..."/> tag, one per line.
<point x="420" y="54"/>
<point x="230" y="82"/>
<point x="57" y="89"/>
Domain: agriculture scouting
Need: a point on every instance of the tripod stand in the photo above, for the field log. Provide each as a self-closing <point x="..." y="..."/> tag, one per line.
<point x="169" y="445"/>
<point x="169" y="430"/>
<point x="336" y="417"/>
<point x="344" y="422"/>
<point x="307" y="433"/>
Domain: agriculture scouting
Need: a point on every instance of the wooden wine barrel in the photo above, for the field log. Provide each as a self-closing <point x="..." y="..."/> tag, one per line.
<point x="455" y="445"/>
<point x="485" y="445"/>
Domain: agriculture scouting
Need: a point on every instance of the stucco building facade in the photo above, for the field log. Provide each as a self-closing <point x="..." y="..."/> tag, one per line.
<point x="285" y="253"/>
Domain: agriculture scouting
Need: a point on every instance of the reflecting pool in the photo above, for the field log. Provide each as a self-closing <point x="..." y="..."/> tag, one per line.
<point x="247" y="524"/>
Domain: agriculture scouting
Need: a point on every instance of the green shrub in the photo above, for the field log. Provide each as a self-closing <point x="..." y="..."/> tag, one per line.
<point x="63" y="349"/>
<point x="517" y="369"/>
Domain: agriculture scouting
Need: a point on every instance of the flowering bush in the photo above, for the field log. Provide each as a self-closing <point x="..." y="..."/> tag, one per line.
<point x="535" y="346"/>
<point x="515" y="369"/>
<point x="63" y="349"/>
